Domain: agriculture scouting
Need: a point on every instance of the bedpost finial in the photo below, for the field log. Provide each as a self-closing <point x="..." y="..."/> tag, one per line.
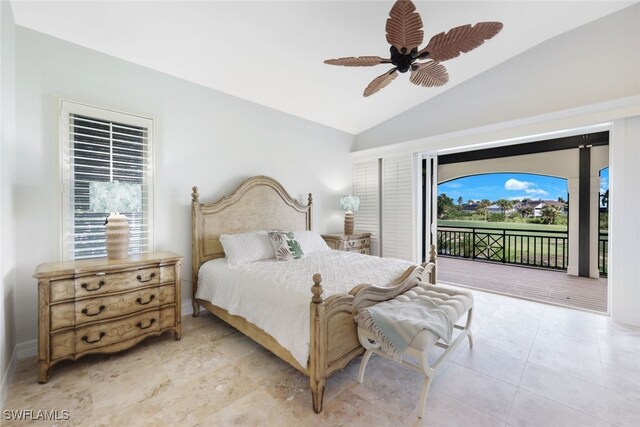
<point x="317" y="289"/>
<point x="195" y="195"/>
<point x="432" y="253"/>
<point x="310" y="200"/>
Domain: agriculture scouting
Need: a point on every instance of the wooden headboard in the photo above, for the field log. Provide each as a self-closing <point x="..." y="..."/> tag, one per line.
<point x="259" y="203"/>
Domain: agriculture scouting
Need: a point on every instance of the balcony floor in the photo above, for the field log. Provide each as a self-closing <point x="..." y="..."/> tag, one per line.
<point x="546" y="286"/>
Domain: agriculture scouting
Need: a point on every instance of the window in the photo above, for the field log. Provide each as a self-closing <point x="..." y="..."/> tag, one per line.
<point x="100" y="145"/>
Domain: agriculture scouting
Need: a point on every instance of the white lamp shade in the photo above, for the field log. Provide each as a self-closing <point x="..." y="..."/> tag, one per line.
<point x="115" y="197"/>
<point x="350" y="203"/>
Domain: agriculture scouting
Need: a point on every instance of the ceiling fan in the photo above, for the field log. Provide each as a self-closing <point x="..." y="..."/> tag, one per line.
<point x="405" y="35"/>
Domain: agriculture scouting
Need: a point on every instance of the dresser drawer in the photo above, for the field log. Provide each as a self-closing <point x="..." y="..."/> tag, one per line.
<point x="103" y="334"/>
<point x="62" y="290"/>
<point x="109" y="306"/>
<point x="103" y="283"/>
<point x="351" y="244"/>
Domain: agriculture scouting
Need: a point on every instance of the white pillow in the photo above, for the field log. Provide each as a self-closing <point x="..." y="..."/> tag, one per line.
<point x="244" y="248"/>
<point x="311" y="242"/>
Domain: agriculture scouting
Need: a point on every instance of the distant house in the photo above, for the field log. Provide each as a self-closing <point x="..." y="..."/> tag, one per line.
<point x="537" y="206"/>
<point x="469" y="207"/>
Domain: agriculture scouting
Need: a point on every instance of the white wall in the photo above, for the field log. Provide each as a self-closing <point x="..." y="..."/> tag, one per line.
<point x="7" y="182"/>
<point x="203" y="137"/>
<point x="594" y="63"/>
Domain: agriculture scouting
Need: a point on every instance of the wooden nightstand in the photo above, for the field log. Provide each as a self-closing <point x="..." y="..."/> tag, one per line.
<point x="104" y="306"/>
<point x="356" y="242"/>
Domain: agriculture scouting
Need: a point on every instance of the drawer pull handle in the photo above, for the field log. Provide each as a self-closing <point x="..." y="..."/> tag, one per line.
<point x="86" y="338"/>
<point x="151" y="276"/>
<point x="363" y="241"/>
<point x="351" y="243"/>
<point x="85" y="286"/>
<point x="85" y="311"/>
<point x="139" y="325"/>
<point x="139" y="300"/>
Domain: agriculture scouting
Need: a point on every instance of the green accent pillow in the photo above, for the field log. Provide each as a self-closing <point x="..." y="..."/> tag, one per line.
<point x="285" y="245"/>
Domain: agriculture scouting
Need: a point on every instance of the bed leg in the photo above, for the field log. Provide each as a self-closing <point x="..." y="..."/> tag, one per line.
<point x="196" y="309"/>
<point x="317" y="394"/>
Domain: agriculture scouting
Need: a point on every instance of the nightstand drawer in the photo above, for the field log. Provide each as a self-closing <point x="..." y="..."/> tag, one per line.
<point x="108" y="306"/>
<point x="103" y="283"/>
<point x="351" y="244"/>
<point x="363" y="251"/>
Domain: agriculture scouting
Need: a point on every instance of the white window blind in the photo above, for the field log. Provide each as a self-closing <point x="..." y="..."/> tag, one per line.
<point x="398" y="213"/>
<point x="100" y="145"/>
<point x="366" y="184"/>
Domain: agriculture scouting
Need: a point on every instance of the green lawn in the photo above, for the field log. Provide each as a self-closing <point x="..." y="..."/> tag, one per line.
<point x="513" y="225"/>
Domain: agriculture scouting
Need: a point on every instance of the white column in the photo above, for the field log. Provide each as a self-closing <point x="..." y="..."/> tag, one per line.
<point x="624" y="226"/>
<point x="574" y="216"/>
<point x="594" y="227"/>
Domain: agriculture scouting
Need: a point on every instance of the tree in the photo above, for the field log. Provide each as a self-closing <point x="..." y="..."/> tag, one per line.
<point x="445" y="205"/>
<point x="482" y="206"/>
<point x="460" y="201"/>
<point x="504" y="205"/>
<point x="525" y="211"/>
<point x="549" y="214"/>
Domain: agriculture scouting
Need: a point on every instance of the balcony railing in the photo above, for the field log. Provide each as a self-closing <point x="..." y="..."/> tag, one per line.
<point x="603" y="253"/>
<point x="545" y="249"/>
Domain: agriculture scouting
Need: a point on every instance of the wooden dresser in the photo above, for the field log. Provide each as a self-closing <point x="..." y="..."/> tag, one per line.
<point x="104" y="306"/>
<point x="356" y="242"/>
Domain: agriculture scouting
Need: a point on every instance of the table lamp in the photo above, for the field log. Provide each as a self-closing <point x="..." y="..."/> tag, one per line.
<point x="349" y="204"/>
<point x="115" y="198"/>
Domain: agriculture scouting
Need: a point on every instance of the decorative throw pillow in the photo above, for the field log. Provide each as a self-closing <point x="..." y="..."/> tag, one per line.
<point x="285" y="245"/>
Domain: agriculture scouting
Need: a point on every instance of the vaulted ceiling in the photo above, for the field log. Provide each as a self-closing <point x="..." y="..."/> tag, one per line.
<point x="272" y="53"/>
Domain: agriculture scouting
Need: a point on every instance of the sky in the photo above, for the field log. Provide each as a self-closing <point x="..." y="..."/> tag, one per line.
<point x="505" y="186"/>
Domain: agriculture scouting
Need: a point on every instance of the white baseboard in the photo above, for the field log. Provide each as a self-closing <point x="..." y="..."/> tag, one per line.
<point x="187" y="308"/>
<point x="27" y="349"/>
<point x="7" y="377"/>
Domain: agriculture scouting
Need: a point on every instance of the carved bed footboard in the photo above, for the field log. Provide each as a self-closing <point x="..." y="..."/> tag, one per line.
<point x="334" y="337"/>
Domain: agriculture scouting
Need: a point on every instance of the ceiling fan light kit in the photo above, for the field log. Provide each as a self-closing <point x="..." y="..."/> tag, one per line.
<point x="405" y="35"/>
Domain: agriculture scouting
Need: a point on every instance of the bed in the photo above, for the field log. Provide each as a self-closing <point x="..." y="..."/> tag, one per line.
<point x="261" y="203"/>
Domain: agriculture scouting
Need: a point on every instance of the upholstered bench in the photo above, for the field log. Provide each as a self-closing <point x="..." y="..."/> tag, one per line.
<point x="456" y="303"/>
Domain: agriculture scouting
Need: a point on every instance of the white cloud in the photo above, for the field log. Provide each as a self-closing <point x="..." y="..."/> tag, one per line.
<point x="514" y="184"/>
<point x="452" y="185"/>
<point x="535" y="191"/>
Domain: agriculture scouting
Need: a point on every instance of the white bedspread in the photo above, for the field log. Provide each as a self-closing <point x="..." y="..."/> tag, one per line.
<point x="275" y="296"/>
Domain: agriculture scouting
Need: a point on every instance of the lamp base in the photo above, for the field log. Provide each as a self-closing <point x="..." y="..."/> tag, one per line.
<point x="117" y="236"/>
<point x="348" y="223"/>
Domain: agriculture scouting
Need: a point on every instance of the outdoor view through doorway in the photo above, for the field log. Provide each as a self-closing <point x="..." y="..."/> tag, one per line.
<point x="514" y="224"/>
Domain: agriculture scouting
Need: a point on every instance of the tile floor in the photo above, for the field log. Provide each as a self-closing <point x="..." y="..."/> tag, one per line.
<point x="532" y="365"/>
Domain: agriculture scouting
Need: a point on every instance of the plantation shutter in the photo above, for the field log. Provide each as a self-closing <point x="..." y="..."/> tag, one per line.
<point x="366" y="184"/>
<point x="398" y="213"/>
<point x="100" y="145"/>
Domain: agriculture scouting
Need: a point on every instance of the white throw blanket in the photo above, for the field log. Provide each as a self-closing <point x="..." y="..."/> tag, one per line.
<point x="396" y="323"/>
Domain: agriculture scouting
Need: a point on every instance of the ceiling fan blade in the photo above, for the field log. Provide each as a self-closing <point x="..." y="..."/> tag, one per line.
<point x="429" y="74"/>
<point x="358" y="61"/>
<point x="459" y="40"/>
<point x="381" y="82"/>
<point x="404" y="26"/>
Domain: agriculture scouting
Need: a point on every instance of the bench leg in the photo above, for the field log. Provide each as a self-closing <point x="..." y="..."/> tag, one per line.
<point x="422" y="402"/>
<point x="363" y="364"/>
<point x="467" y="327"/>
